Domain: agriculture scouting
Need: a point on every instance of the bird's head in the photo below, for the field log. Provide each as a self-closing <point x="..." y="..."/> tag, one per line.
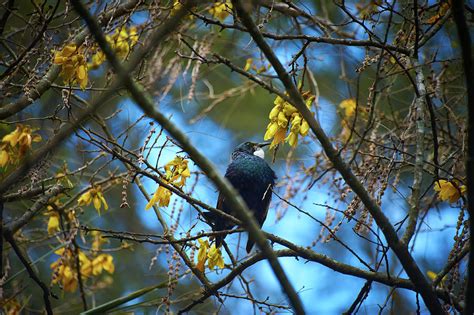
<point x="250" y="148"/>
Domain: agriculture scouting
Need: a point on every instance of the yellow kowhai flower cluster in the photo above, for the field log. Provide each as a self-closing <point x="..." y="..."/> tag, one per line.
<point x="65" y="271"/>
<point x="53" y="221"/>
<point x="53" y="225"/>
<point x="54" y="203"/>
<point x="95" y="196"/>
<point x="212" y="255"/>
<point x="53" y="217"/>
<point x="73" y="65"/>
<point x="284" y="116"/>
<point x="221" y="10"/>
<point x="348" y="109"/>
<point x="348" y="106"/>
<point x="449" y="190"/>
<point x="122" y="41"/>
<point x="176" y="173"/>
<point x="15" y="144"/>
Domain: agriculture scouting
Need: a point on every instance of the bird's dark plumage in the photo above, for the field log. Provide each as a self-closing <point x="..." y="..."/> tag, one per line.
<point x="254" y="180"/>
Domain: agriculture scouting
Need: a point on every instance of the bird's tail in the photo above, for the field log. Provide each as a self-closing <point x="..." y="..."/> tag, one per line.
<point x="215" y="221"/>
<point x="211" y="218"/>
<point x="249" y="246"/>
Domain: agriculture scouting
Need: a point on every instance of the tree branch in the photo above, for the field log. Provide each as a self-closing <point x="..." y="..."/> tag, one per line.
<point x="47" y="79"/>
<point x="466" y="50"/>
<point x="236" y="203"/>
<point x="46" y="293"/>
<point x="382" y="221"/>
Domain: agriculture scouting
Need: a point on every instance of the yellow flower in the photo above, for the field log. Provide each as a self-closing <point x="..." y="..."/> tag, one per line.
<point x="95" y="196"/>
<point x="21" y="136"/>
<point x="449" y="191"/>
<point x="202" y="254"/>
<point x="86" y="264"/>
<point x="304" y="128"/>
<point x="272" y="129"/>
<point x="284" y="116"/>
<point x="64" y="269"/>
<point x="85" y="199"/>
<point x="15" y="144"/>
<point x="349" y="107"/>
<point x="221" y="10"/>
<point x="13" y="137"/>
<point x="274" y="112"/>
<point x="292" y="139"/>
<point x="215" y="258"/>
<point x="103" y="262"/>
<point x="161" y="196"/>
<point x="73" y="65"/>
<point x="98" y="200"/>
<point x="97" y="59"/>
<point x="121" y="41"/>
<point x="4" y="157"/>
<point x="289" y="110"/>
<point x="248" y="64"/>
<point x="278" y="138"/>
<point x="53" y="223"/>
<point x="176" y="173"/>
<point x="53" y="215"/>
<point x="67" y="277"/>
<point x="432" y="276"/>
<point x="296" y="122"/>
<point x="282" y="120"/>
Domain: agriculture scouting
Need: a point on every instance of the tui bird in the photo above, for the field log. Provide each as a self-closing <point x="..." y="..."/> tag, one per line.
<point x="254" y="179"/>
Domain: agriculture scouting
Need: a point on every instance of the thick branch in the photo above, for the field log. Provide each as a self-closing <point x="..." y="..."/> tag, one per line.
<point x="46" y="293"/>
<point x="45" y="83"/>
<point x="34" y="210"/>
<point x="465" y="41"/>
<point x="233" y="198"/>
<point x="382" y="221"/>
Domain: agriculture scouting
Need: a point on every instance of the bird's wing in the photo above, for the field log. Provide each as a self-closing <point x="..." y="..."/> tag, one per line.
<point x="267" y="197"/>
<point x="220" y="202"/>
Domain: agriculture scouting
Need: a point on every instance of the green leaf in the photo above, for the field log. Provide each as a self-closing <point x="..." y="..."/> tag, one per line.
<point x="124" y="299"/>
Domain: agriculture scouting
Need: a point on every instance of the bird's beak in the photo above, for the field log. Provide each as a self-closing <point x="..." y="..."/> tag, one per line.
<point x="263" y="144"/>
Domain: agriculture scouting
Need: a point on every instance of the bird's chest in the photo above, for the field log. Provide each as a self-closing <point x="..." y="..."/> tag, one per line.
<point x="250" y="173"/>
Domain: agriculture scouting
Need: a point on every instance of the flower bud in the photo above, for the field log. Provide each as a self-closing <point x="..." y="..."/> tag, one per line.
<point x="304" y="128"/>
<point x="289" y="109"/>
<point x="271" y="130"/>
<point x="282" y="120"/>
<point x="292" y="139"/>
<point x="274" y="112"/>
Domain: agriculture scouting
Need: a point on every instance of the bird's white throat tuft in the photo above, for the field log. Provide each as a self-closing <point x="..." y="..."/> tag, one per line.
<point x="259" y="152"/>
